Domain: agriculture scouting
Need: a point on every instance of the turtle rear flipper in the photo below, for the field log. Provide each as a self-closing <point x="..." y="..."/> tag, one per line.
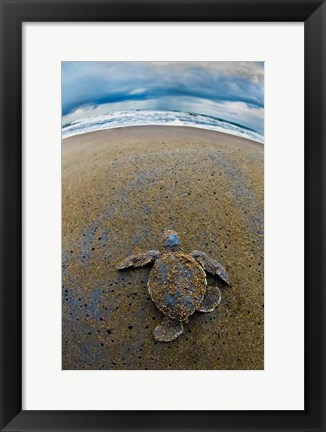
<point x="168" y="330"/>
<point x="210" y="265"/>
<point x="211" y="299"/>
<point x="138" y="260"/>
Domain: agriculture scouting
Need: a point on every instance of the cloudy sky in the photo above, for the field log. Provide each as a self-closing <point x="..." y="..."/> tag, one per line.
<point x="233" y="91"/>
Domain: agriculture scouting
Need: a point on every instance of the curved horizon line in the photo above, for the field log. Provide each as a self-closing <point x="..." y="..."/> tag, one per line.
<point x="170" y="110"/>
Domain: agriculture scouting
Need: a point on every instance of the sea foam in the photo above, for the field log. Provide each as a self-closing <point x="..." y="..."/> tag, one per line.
<point x="162" y="118"/>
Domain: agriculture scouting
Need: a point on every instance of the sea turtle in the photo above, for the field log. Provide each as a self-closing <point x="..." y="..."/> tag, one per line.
<point x="177" y="283"/>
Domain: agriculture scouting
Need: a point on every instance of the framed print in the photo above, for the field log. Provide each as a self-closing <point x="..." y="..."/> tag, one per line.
<point x="162" y="215"/>
<point x="161" y="193"/>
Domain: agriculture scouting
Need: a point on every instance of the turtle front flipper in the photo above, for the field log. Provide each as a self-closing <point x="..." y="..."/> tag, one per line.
<point x="211" y="299"/>
<point x="210" y="265"/>
<point x="168" y="330"/>
<point x="138" y="260"/>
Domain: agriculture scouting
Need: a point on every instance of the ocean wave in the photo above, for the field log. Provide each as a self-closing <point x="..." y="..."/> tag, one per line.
<point x="120" y="119"/>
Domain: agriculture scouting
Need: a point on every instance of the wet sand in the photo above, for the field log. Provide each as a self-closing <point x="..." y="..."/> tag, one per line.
<point x="120" y="189"/>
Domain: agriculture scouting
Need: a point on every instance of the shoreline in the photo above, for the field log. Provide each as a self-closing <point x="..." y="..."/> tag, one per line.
<point x="148" y="127"/>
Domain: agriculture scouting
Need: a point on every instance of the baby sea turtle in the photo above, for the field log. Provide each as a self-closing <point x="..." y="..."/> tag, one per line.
<point x="177" y="283"/>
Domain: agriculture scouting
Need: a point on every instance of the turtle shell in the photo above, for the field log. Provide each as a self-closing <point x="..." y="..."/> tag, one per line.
<point x="177" y="285"/>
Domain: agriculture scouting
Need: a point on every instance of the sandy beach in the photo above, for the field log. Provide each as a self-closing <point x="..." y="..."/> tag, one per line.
<point x="120" y="189"/>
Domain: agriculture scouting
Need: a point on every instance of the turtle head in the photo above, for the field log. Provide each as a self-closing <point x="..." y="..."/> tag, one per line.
<point x="171" y="241"/>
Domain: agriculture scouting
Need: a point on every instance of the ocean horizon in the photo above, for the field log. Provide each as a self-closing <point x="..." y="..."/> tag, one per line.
<point x="128" y="118"/>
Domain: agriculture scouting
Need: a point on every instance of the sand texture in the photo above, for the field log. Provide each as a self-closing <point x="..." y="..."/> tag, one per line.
<point x="120" y="189"/>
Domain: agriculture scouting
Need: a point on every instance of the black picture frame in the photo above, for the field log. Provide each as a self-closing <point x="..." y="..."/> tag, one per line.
<point x="13" y="14"/>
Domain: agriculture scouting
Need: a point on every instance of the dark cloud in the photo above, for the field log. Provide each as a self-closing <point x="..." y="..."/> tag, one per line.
<point x="87" y="82"/>
<point x="95" y="83"/>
